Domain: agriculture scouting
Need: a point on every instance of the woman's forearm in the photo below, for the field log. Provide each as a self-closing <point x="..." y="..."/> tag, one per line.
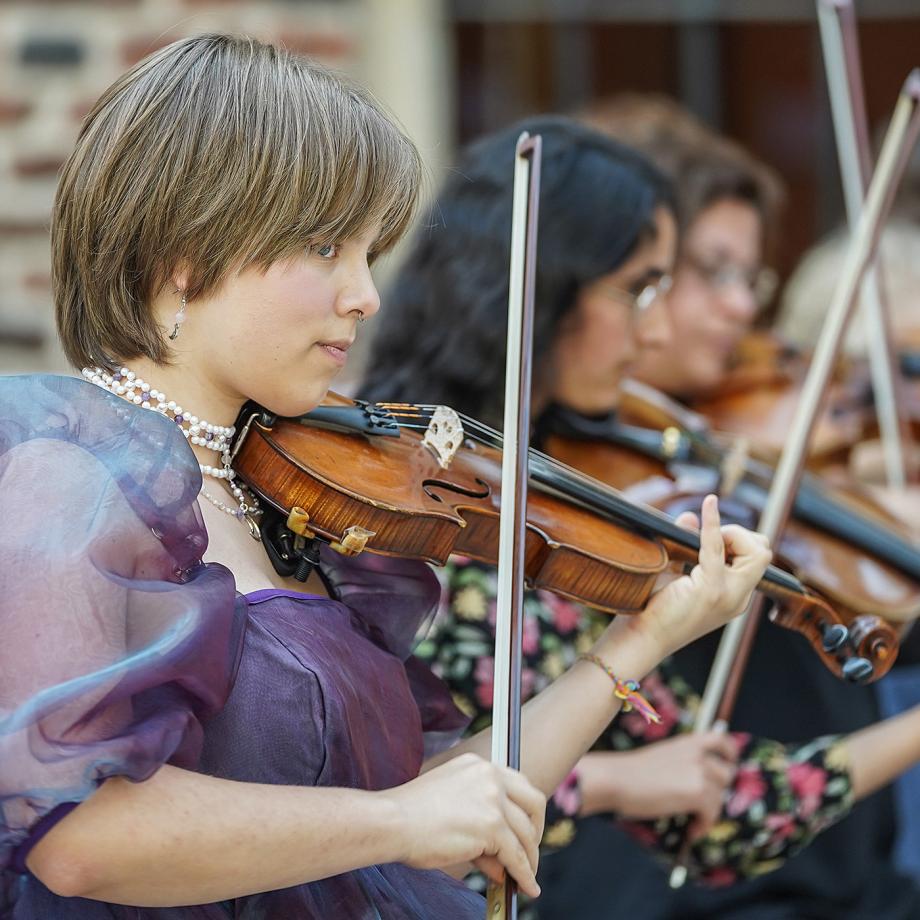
<point x="882" y="752"/>
<point x="563" y="721"/>
<point x="184" y="838"/>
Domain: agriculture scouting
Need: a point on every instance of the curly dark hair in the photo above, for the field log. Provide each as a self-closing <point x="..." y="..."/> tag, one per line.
<point x="441" y="334"/>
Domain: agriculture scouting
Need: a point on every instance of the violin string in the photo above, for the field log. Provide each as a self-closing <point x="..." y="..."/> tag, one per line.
<point x="601" y="493"/>
<point x="489" y="436"/>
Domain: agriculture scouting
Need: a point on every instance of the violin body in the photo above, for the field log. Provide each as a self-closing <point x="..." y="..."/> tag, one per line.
<point x="378" y="478"/>
<point x="395" y="489"/>
<point x="879" y="577"/>
<point x="759" y="395"/>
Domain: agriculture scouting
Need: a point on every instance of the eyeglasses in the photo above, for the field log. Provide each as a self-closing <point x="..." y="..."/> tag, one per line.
<point x="761" y="282"/>
<point x="645" y="298"/>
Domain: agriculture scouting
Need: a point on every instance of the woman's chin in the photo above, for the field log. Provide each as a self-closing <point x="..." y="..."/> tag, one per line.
<point x="292" y="405"/>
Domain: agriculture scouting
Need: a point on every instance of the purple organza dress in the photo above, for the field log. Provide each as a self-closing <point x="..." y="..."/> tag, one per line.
<point x="120" y="651"/>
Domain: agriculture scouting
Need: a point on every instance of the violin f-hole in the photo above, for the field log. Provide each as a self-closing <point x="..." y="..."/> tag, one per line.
<point x="429" y="486"/>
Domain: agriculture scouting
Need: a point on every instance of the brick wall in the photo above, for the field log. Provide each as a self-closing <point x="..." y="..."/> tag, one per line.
<point x="55" y="59"/>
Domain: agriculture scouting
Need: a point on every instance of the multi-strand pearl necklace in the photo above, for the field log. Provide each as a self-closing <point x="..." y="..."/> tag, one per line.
<point x="128" y="385"/>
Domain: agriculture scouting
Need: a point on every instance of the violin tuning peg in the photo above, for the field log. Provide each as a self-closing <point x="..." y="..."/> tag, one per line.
<point x="858" y="670"/>
<point x="834" y="637"/>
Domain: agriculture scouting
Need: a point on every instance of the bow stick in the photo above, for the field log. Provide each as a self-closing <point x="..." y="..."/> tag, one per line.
<point x="738" y="637"/>
<point x="506" y="705"/>
<point x="840" y="44"/>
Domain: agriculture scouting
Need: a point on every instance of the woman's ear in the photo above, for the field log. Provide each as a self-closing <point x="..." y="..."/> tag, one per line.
<point x="179" y="279"/>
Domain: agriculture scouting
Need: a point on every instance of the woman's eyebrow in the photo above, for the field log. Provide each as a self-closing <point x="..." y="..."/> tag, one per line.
<point x="649" y="275"/>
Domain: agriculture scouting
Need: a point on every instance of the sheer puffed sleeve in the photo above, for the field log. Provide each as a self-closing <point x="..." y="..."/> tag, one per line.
<point x="115" y="640"/>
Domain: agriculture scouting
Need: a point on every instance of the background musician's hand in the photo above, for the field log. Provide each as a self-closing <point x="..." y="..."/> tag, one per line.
<point x="470" y="811"/>
<point x="689" y="774"/>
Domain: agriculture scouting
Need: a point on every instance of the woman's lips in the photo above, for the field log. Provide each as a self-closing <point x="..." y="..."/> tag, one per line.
<point x="337" y="351"/>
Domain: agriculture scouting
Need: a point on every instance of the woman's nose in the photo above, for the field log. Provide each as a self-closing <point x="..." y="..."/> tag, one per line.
<point x="654" y="327"/>
<point x="359" y="292"/>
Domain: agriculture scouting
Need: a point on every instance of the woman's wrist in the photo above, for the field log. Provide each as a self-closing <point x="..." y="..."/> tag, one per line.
<point x="599" y="786"/>
<point x="388" y="815"/>
<point x="630" y="650"/>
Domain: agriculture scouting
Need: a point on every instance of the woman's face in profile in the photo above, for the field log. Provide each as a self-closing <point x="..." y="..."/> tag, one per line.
<point x="281" y="335"/>
<point x="615" y="318"/>
<point x="713" y="301"/>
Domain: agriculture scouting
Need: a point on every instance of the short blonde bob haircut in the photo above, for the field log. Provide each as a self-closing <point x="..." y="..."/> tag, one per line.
<point x="215" y="154"/>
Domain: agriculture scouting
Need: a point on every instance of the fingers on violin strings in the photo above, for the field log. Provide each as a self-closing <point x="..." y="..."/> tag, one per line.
<point x="746" y="545"/>
<point x="712" y="546"/>
<point x="688" y="520"/>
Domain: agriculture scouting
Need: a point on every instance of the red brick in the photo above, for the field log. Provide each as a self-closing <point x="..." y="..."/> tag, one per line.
<point x="37" y="167"/>
<point x="136" y="49"/>
<point x="12" y="110"/>
<point x="79" y="110"/>
<point x="327" y="45"/>
<point x="11" y="227"/>
<point x="37" y="281"/>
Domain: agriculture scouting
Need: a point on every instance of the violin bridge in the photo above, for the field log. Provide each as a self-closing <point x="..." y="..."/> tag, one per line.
<point x="444" y="435"/>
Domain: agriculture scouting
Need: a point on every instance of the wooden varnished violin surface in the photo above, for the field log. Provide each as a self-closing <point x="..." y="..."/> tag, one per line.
<point x="759" y="395"/>
<point x="839" y="542"/>
<point x="422" y="482"/>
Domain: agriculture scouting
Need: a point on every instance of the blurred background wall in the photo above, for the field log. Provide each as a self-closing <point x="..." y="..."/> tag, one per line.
<point x="57" y="57"/>
<point x="450" y="70"/>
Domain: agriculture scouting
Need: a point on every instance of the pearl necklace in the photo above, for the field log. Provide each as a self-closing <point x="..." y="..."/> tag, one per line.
<point x="128" y="385"/>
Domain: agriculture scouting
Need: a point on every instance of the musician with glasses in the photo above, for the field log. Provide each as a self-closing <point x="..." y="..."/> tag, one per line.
<point x="727" y="205"/>
<point x="727" y="208"/>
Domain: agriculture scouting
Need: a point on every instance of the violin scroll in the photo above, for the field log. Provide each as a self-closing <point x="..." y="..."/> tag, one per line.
<point x="860" y="652"/>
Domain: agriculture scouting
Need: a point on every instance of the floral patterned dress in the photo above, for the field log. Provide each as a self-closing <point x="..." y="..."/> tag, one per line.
<point x="782" y="795"/>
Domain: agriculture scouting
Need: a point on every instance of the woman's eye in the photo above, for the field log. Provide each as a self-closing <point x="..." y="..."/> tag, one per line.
<point x="329" y="251"/>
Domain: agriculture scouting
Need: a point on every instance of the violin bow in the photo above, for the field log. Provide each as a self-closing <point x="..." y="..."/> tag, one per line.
<point x="731" y="658"/>
<point x="501" y="901"/>
<point x="840" y="45"/>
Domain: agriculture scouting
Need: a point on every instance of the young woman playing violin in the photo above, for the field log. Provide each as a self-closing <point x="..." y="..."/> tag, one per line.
<point x="169" y="747"/>
<point x="606" y="244"/>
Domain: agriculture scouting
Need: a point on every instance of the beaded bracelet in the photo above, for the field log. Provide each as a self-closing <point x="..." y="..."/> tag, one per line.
<point x="628" y="692"/>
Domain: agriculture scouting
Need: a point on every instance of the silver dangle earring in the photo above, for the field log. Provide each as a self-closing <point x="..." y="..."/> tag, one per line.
<point x="180" y="318"/>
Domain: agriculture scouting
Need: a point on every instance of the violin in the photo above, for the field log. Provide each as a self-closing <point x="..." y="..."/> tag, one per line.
<point x="759" y="394"/>
<point x="757" y="398"/>
<point x="839" y="542"/>
<point x="423" y="482"/>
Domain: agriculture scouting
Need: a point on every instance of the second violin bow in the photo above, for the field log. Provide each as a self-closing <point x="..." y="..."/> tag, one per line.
<point x="738" y="637"/>
<point x="840" y="44"/>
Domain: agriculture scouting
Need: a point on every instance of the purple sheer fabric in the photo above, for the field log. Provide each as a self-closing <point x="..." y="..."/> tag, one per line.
<point x="121" y="651"/>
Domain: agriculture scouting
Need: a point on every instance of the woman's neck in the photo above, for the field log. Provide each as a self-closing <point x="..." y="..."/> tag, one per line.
<point x="190" y="388"/>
